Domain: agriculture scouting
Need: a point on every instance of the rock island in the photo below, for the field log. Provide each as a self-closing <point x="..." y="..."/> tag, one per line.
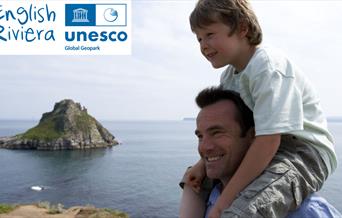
<point x="68" y="126"/>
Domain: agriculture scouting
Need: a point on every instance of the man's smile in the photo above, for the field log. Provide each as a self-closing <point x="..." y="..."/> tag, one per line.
<point x="214" y="158"/>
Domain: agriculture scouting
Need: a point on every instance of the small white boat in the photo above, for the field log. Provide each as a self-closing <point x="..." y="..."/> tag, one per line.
<point x="37" y="188"/>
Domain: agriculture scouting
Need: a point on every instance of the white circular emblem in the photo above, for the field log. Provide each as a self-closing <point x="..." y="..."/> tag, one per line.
<point x="110" y="15"/>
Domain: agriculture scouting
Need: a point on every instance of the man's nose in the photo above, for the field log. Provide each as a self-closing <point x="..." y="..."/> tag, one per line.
<point x="205" y="144"/>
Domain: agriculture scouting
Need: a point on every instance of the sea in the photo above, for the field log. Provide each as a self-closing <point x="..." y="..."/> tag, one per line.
<point x="139" y="176"/>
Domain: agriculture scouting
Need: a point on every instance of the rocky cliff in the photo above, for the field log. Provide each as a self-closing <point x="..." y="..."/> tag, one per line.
<point x="68" y="126"/>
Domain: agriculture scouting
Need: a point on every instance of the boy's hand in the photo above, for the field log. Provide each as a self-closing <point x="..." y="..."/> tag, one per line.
<point x="195" y="176"/>
<point x="192" y="181"/>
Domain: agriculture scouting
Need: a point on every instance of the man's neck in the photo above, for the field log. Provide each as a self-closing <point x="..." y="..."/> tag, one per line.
<point x="225" y="181"/>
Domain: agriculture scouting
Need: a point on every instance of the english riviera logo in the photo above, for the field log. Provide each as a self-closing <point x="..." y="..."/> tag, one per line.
<point x="49" y="27"/>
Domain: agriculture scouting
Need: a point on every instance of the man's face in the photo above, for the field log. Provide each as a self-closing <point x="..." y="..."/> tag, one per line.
<point x="218" y="47"/>
<point x="220" y="143"/>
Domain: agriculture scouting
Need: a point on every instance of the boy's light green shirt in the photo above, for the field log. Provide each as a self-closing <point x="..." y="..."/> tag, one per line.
<point x="282" y="100"/>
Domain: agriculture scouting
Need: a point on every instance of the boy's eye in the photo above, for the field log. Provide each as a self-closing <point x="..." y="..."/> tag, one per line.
<point x="199" y="39"/>
<point x="209" y="34"/>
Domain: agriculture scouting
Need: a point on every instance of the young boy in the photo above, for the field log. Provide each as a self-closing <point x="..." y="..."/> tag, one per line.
<point x="289" y="122"/>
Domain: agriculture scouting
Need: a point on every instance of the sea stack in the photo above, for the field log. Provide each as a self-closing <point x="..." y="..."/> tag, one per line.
<point x="68" y="126"/>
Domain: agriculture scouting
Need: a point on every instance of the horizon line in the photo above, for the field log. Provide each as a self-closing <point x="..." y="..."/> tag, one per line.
<point x="329" y="118"/>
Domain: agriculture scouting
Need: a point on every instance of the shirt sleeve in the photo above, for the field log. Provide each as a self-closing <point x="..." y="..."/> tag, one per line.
<point x="275" y="100"/>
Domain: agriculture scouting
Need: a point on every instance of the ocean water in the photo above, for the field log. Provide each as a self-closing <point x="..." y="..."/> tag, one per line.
<point x="140" y="176"/>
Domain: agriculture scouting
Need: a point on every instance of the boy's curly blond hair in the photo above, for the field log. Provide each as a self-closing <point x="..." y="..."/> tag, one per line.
<point x="233" y="13"/>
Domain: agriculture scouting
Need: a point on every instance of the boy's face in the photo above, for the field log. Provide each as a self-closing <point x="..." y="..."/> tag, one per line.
<point x="218" y="46"/>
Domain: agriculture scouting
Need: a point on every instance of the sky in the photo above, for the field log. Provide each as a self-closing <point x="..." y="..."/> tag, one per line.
<point x="161" y="78"/>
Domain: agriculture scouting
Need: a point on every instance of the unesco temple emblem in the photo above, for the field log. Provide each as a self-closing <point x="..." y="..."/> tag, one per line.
<point x="80" y="15"/>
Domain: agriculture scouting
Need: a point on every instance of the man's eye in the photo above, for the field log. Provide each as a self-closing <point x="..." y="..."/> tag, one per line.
<point x="215" y="133"/>
<point x="199" y="39"/>
<point x="210" y="34"/>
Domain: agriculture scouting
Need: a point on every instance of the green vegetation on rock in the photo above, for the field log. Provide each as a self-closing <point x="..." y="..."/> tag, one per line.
<point x="52" y="126"/>
<point x="82" y="122"/>
<point x="46" y="130"/>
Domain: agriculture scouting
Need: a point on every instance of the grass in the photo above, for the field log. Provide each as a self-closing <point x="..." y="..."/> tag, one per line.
<point x="6" y="208"/>
<point x="51" y="128"/>
<point x="44" y="131"/>
<point x="82" y="122"/>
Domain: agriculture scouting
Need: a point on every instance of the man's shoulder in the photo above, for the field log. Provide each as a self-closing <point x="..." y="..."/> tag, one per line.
<point x="315" y="206"/>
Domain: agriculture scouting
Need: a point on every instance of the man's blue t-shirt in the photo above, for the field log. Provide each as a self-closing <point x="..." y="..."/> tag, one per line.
<point x="313" y="206"/>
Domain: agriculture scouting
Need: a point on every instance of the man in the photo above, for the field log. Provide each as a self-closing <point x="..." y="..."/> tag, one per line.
<point x="225" y="130"/>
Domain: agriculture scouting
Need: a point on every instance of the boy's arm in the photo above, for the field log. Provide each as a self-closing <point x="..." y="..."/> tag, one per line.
<point x="192" y="204"/>
<point x="258" y="156"/>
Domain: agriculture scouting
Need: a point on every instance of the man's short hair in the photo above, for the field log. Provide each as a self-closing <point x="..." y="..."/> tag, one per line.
<point x="213" y="95"/>
<point x="232" y="13"/>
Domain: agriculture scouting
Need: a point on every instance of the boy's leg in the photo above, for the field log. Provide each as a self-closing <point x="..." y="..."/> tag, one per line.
<point x="296" y="171"/>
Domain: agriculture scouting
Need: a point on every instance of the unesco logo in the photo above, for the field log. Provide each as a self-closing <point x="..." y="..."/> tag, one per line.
<point x="96" y="15"/>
